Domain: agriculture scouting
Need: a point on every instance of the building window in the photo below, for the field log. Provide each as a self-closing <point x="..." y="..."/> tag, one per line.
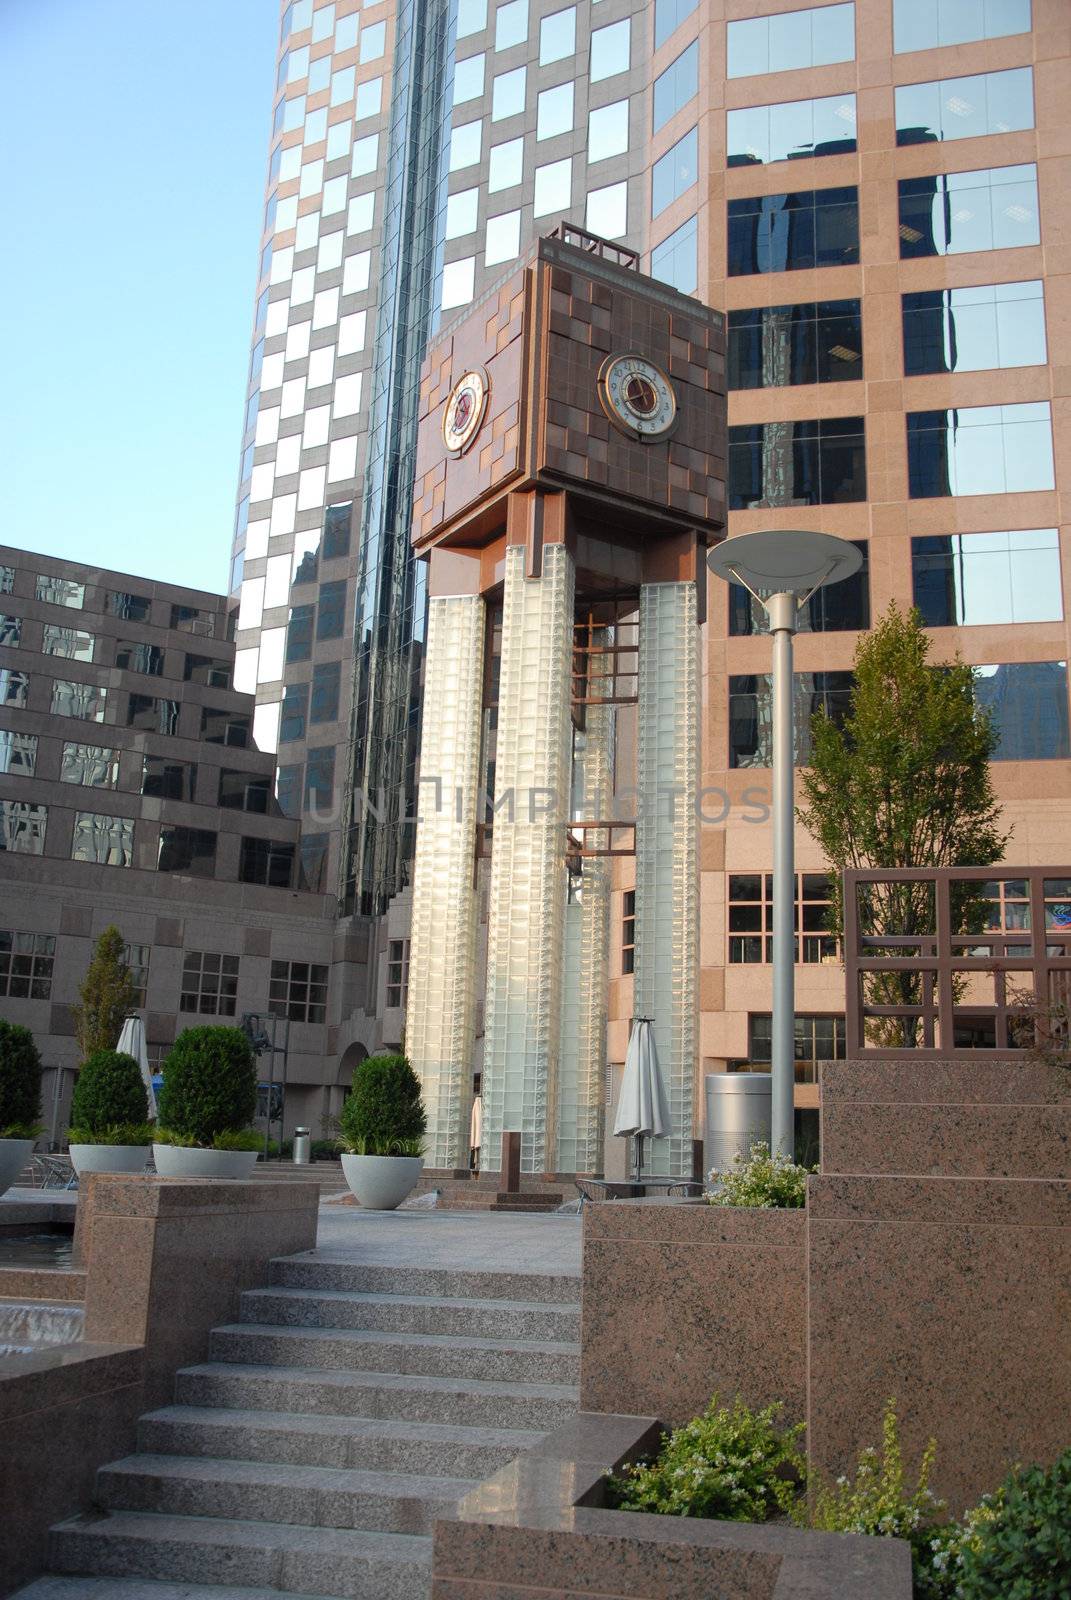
<point x="22" y="828"/>
<point x="668" y="16"/>
<point x="209" y="983"/>
<point x="554" y="114"/>
<point x="319" y="776"/>
<point x="974" y="330"/>
<point x="505" y="165"/>
<point x="606" y="212"/>
<point x="299" y="633"/>
<point x="751" y="713"/>
<point x="84" y="701"/>
<point x="397" y="974"/>
<point x="797" y="463"/>
<point x="135" y="657"/>
<point x="152" y="715"/>
<point x="817" y="1038"/>
<point x="815" y="38"/>
<point x="507" y="94"/>
<point x="26" y="965"/>
<point x="676" y="260"/>
<point x="323" y="704"/>
<point x="331" y="617"/>
<point x="72" y="643"/>
<point x="511" y="24"/>
<point x="60" y="591"/>
<point x="552" y="189"/>
<point x="267" y="861"/>
<point x="676" y="86"/>
<point x="760" y="134"/>
<point x="18" y="753"/>
<point x="966" y="579"/>
<point x="168" y="780"/>
<point x="628" y="931"/>
<point x="14" y="687"/>
<point x="835" y="608"/>
<point x="294" y="712"/>
<point x="788" y="232"/>
<point x="471" y="17"/>
<point x="210" y="671"/>
<point x="137" y="957"/>
<point x="288" y="788"/>
<point x="131" y="607"/>
<point x="245" y="791"/>
<point x="674" y="173"/>
<point x="187" y="619"/>
<point x="607" y="132"/>
<point x="93" y="766"/>
<point x="10" y="632"/>
<point x="965" y="108"/>
<point x="1028" y="704"/>
<point x="468" y="79"/>
<point x="979" y="450"/>
<point x="751" y="918"/>
<point x="314" y="848"/>
<point x="465" y="144"/>
<point x="557" y="36"/>
<point x="188" y="850"/>
<point x="7" y="580"/>
<point x="336" y="540"/>
<point x="107" y="841"/>
<point x="776" y="346"/>
<point x="225" y="727"/>
<point x="298" y="991"/>
<point x="948" y="22"/>
<point x="609" y="51"/>
<point x="994" y="208"/>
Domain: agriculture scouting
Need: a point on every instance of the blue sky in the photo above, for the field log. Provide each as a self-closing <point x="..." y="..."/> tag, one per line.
<point x="133" y="147"/>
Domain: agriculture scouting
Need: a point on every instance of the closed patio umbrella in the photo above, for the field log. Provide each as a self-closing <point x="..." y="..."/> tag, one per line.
<point x="132" y="1043"/>
<point x="642" y="1109"/>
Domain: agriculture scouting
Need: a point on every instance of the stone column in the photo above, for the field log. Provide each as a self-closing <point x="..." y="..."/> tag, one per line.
<point x="526" y="908"/>
<point x="667" y="868"/>
<point x="442" y="951"/>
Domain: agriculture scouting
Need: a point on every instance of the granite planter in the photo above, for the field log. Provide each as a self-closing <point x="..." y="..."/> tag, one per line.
<point x="182" y="1161"/>
<point x="109" y="1157"/>
<point x="14" y="1154"/>
<point x="381" y="1183"/>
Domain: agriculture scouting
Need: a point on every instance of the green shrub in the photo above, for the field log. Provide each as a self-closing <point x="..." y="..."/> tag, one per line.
<point x="20" y="1082"/>
<point x="383" y="1114"/>
<point x="106" y="995"/>
<point x="209" y="1087"/>
<point x="1016" y="1545"/>
<point x="760" y="1179"/>
<point x="730" y="1463"/>
<point x="110" y="1093"/>
<point x="242" y="1139"/>
<point x="115" y="1133"/>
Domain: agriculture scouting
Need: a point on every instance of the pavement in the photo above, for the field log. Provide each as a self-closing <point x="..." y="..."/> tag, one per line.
<point x="456" y="1240"/>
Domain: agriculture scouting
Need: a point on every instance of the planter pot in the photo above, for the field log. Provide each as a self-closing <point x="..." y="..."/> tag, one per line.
<point x="381" y="1183"/>
<point x="175" y="1161"/>
<point x="109" y="1157"/>
<point x="14" y="1154"/>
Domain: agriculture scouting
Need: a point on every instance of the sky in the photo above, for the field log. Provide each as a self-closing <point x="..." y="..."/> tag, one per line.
<point x="133" y="149"/>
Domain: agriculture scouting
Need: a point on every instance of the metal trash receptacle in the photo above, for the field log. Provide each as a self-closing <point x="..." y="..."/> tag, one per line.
<point x="737" y="1114"/>
<point x="302" y="1147"/>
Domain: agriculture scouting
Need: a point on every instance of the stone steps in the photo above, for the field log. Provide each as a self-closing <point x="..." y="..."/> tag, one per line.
<point x="402" y="1313"/>
<point x="81" y="1588"/>
<point x="414" y="1354"/>
<point x="321" y="1272"/>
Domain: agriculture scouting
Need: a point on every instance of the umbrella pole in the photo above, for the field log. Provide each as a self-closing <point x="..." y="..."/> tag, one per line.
<point x="639" y="1155"/>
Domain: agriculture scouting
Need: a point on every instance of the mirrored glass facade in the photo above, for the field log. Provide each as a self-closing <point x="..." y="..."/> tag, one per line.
<point x="788" y="232"/>
<point x="797" y="463"/>
<point x="980" y="450"/>
<point x="972" y="579"/>
<point x="751" y="713"/>
<point x="773" y="346"/>
<point x="955" y="213"/>
<point x="969" y="330"/>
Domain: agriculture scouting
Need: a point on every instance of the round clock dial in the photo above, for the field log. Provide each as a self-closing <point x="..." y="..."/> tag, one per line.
<point x="465" y="409"/>
<point x="637" y="396"/>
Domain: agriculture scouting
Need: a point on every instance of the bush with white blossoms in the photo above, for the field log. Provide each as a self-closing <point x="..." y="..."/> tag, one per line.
<point x="760" y="1179"/>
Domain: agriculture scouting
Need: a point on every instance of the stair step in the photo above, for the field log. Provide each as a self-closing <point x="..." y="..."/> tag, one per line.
<point x="410" y="1313"/>
<point x="314" y="1271"/>
<point x="80" y="1588"/>
<point x="264" y="1491"/>
<point x="355" y="1349"/>
<point x="470" y="1402"/>
<point x="296" y="1560"/>
<point x="332" y="1441"/>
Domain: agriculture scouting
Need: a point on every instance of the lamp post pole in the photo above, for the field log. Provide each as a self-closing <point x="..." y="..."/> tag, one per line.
<point x="782" y="613"/>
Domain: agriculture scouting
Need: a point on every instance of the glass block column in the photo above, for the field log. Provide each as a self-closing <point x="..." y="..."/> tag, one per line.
<point x="667" y="867"/>
<point x="526" y="907"/>
<point x="442" y="952"/>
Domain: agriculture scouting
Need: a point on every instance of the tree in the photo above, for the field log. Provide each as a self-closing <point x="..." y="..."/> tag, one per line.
<point x="107" y="995"/>
<point x="903" y="781"/>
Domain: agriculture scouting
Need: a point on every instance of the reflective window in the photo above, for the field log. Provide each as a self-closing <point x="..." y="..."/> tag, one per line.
<point x="774" y="346"/>
<point x="93" y="766"/>
<point x="299" y="633"/>
<point x="751" y="919"/>
<point x="465" y="145"/>
<point x="338" y="140"/>
<point x="60" y="591"/>
<point x="965" y="108"/>
<point x="22" y="827"/>
<point x="981" y="578"/>
<point x="471" y="17"/>
<point x="323" y="24"/>
<point x="557" y="36"/>
<point x="188" y="850"/>
<point x="319" y="777"/>
<point x="293" y="113"/>
<point x="944" y="22"/>
<point x="323" y="702"/>
<point x="313" y="861"/>
<point x="18" y="753"/>
<point x="674" y="173"/>
<point x="266" y="861"/>
<point x="187" y="619"/>
<point x="225" y="727"/>
<point x="676" y="259"/>
<point x="369" y="99"/>
<point x="553" y="188"/>
<point x="294" y="712"/>
<point x="979" y="450"/>
<point x="507" y="98"/>
<point x="606" y="213"/>
<point x="107" y="841"/>
<point x="165" y="779"/>
<point x="133" y="656"/>
<point x="797" y="463"/>
<point x="373" y="42"/>
<point x="83" y="700"/>
<point x="609" y="50"/>
<point x="288" y="788"/>
<point x="668" y="15"/>
<point x="991" y="209"/>
<point x="214" y="672"/>
<point x="298" y="991"/>
<point x="365" y="156"/>
<point x="151" y="714"/>
<point x="676" y="86"/>
<point x="972" y="330"/>
<point x="15" y="687"/>
<point x="331" y="619"/>
<point x="209" y="983"/>
<point x="342" y="85"/>
<point x="815" y="1038"/>
<point x="336" y="540"/>
<point x="26" y="965"/>
<point x="788" y="232"/>
<point x="297" y="66"/>
<point x="505" y="165"/>
<point x="554" y="111"/>
<point x="503" y="238"/>
<point x="319" y="78"/>
<point x="72" y="643"/>
<point x="795" y="128"/>
<point x="130" y="607"/>
<point x="1027" y="701"/>
<point x="10" y="632"/>
<point x="7" y="580"/>
<point x="461" y="209"/>
<point x="607" y="131"/>
<point x="835" y="608"/>
<point x="459" y="278"/>
<point x="468" y="79"/>
<point x="751" y="713"/>
<point x="511" y="24"/>
<point x="813" y="38"/>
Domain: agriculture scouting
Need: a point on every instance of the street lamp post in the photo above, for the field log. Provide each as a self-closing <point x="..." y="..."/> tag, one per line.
<point x="781" y="569"/>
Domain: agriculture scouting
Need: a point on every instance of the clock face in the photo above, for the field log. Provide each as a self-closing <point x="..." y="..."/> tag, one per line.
<point x="637" y="397"/>
<point x="465" y="409"/>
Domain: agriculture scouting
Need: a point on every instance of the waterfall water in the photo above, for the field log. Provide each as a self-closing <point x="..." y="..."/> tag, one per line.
<point x="27" y="1325"/>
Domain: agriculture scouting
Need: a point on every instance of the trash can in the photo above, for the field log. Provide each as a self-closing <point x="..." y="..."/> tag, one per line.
<point x="302" y="1147"/>
<point x="737" y="1114"/>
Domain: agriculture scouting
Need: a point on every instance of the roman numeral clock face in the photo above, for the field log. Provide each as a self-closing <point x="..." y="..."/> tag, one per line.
<point x="637" y="397"/>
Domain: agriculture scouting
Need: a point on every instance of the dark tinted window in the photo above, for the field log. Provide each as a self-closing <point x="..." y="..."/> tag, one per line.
<point x="292" y="717"/>
<point x="225" y="727"/>
<point x="319" y="776"/>
<point x="244" y="791"/>
<point x="834" y="608"/>
<point x="988" y="209"/>
<point x="751" y="713"/>
<point x="816" y="342"/>
<point x="299" y="633"/>
<point x="209" y="671"/>
<point x="793" y="463"/>
<point x="135" y="657"/>
<point x="314" y="861"/>
<point x="336" y="540"/>
<point x="331" y="621"/>
<point x="979" y="450"/>
<point x="1028" y="704"/>
<point x="325" y="686"/>
<point x="267" y="861"/>
<point x="152" y="715"/>
<point x="787" y="232"/>
<point x="190" y="850"/>
<point x="288" y="789"/>
<point x="975" y="329"/>
<point x="131" y="607"/>
<point x="984" y="578"/>
<point x="187" y="619"/>
<point x="168" y="780"/>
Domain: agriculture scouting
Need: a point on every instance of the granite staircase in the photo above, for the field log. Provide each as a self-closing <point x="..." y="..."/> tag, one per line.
<point x="310" y="1454"/>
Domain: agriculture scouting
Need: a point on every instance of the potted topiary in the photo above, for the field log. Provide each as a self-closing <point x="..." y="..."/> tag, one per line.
<point x="109" y="1129"/>
<point x="20" y="1099"/>
<point x="206" y="1103"/>
<point x="383" y="1122"/>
